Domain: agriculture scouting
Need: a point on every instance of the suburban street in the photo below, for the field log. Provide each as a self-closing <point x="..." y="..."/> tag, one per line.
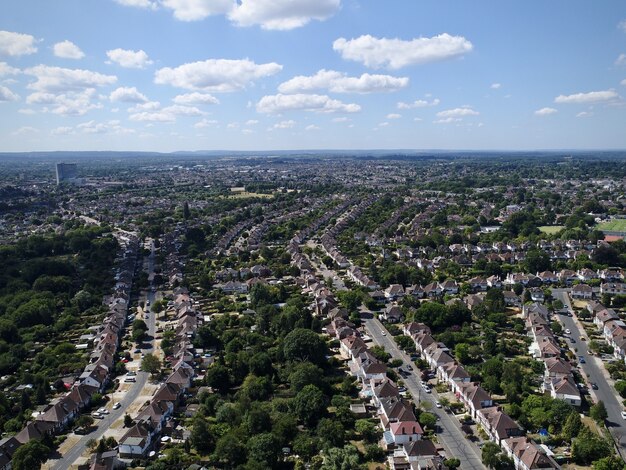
<point x="595" y="373"/>
<point x="127" y="393"/>
<point x="450" y="435"/>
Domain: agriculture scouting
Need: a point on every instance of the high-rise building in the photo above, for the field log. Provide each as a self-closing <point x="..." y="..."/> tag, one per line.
<point x="66" y="172"/>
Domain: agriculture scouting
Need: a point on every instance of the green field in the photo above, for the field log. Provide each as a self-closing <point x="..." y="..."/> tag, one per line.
<point x="615" y="225"/>
<point x="551" y="229"/>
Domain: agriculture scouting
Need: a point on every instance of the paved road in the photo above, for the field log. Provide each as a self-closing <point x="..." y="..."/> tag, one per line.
<point x="595" y="372"/>
<point x="129" y="397"/>
<point x="451" y="435"/>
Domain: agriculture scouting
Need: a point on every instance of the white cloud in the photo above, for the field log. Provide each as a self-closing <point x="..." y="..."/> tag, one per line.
<point x="215" y="75"/>
<point x="447" y="120"/>
<point x="282" y="14"/>
<point x="16" y="44"/>
<point x="128" y="95"/>
<point x="495" y="86"/>
<point x="151" y="4"/>
<point x="585" y="98"/>
<point x="196" y="98"/>
<point x="383" y="124"/>
<point x="232" y="125"/>
<point x="457" y="112"/>
<point x="6" y="69"/>
<point x="621" y="60"/>
<point x="7" y="95"/>
<point x="67" y="50"/>
<point x="157" y="116"/>
<point x="312" y="127"/>
<point x="584" y="114"/>
<point x="57" y="79"/>
<point x="70" y="103"/>
<point x="251" y="122"/>
<point x="204" y="123"/>
<point x="25" y="130"/>
<point x="129" y="59"/>
<point x="109" y="127"/>
<point x="285" y="124"/>
<point x="337" y="82"/>
<point x="303" y="102"/>
<point x="545" y="111"/>
<point x="394" y="116"/>
<point x="623" y="82"/>
<point x="397" y="53"/>
<point x="26" y="111"/>
<point x="622" y="25"/>
<point x="148" y="106"/>
<point x="194" y="10"/>
<point x="63" y="130"/>
<point x="180" y="110"/>
<point x="417" y="119"/>
<point x="418" y="104"/>
<point x="340" y="119"/>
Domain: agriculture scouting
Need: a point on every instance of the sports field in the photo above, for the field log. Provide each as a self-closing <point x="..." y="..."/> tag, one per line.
<point x="615" y="225"/>
<point x="551" y="229"/>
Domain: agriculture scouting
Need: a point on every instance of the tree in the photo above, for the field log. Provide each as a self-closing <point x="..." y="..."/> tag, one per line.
<point x="230" y="450"/>
<point x="217" y="377"/>
<point x="572" y="426"/>
<point x="589" y="447"/>
<point x="84" y="421"/>
<point x="264" y="448"/>
<point x="201" y="438"/>
<point x="346" y="458"/>
<point x="428" y="420"/>
<point x="598" y="412"/>
<point x="304" y="374"/>
<point x="29" y="456"/>
<point x="609" y="463"/>
<point x="186" y="211"/>
<point x="151" y="364"/>
<point x="128" y="421"/>
<point x="309" y="405"/>
<point x="304" y="345"/>
<point x="369" y="431"/>
<point x="452" y="463"/>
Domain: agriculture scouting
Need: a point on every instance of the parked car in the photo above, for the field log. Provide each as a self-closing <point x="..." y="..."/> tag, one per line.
<point x="409" y="366"/>
<point x="567" y="331"/>
<point x="130" y="379"/>
<point x="594" y="385"/>
<point x="437" y="404"/>
<point x="581" y="360"/>
<point x="623" y="414"/>
<point x="117" y="405"/>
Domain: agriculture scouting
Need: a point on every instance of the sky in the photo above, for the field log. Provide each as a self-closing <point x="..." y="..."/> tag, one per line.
<point x="168" y="75"/>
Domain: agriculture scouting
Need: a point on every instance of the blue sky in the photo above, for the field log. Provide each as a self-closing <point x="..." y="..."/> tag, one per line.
<point x="166" y="75"/>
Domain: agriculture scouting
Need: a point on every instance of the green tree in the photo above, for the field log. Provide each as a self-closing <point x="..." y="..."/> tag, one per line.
<point x="218" y="378"/>
<point x="428" y="420"/>
<point x="572" y="426"/>
<point x="452" y="463"/>
<point x="609" y="463"/>
<point x="264" y="448"/>
<point x="598" y="412"/>
<point x="589" y="447"/>
<point x="309" y="405"/>
<point x="128" y="421"/>
<point x="230" y="451"/>
<point x="304" y="374"/>
<point x="304" y="345"/>
<point x="369" y="431"/>
<point x="151" y="364"/>
<point x="30" y="456"/>
<point x="346" y="458"/>
<point x="201" y="438"/>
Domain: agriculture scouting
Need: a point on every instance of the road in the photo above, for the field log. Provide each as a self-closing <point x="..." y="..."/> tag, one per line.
<point x="128" y="397"/>
<point x="595" y="372"/>
<point x="451" y="435"/>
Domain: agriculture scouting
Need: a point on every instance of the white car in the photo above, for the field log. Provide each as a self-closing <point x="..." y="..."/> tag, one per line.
<point x="567" y="331"/>
<point x="117" y="405"/>
<point x="623" y="414"/>
<point x="437" y="404"/>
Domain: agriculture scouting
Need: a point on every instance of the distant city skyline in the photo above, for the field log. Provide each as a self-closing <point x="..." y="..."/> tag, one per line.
<point x="168" y="75"/>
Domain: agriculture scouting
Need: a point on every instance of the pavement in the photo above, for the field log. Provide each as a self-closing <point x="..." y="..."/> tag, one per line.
<point x="127" y="396"/>
<point x="450" y="435"/>
<point x="595" y="372"/>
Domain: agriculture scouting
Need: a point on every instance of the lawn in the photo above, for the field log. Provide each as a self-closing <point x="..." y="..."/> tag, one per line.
<point x="551" y="229"/>
<point x="615" y="225"/>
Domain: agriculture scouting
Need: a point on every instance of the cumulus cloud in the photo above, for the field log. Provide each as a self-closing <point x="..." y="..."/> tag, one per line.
<point x="312" y="127"/>
<point x="157" y="116"/>
<point x="181" y="110"/>
<point x="495" y="86"/>
<point x="304" y="102"/>
<point x="394" y="116"/>
<point x="623" y="82"/>
<point x="109" y="127"/>
<point x="17" y="44"/>
<point x="63" y="130"/>
<point x="6" y="69"/>
<point x="7" y="95"/>
<point x="622" y="25"/>
<point x="215" y="75"/>
<point x="25" y="130"/>
<point x="57" y="79"/>
<point x="418" y="104"/>
<point x="397" y="53"/>
<point x="251" y="122"/>
<point x="194" y="10"/>
<point x="285" y="124"/>
<point x="71" y="103"/>
<point x="282" y="14"/>
<point x="337" y="82"/>
<point x="149" y="4"/>
<point x="584" y="114"/>
<point x="621" y="60"/>
<point x="457" y="113"/>
<point x="204" y="123"/>
<point x="196" y="98"/>
<point x="128" y="58"/>
<point x="586" y="98"/>
<point x="545" y="111"/>
<point x="128" y="95"/>
<point x="67" y="50"/>
<point x="447" y="120"/>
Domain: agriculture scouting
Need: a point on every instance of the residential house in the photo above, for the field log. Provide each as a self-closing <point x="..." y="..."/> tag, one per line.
<point x="582" y="291"/>
<point x="527" y="455"/>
